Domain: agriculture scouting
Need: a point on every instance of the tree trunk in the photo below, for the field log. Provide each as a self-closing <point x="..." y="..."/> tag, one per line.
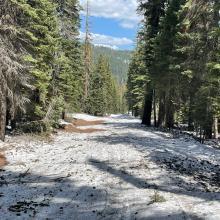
<point x="3" y="113"/>
<point x="208" y="131"/>
<point x="63" y="114"/>
<point x="215" y="128"/>
<point x="169" y="112"/>
<point x="170" y="116"/>
<point x="136" y="112"/>
<point x="161" y="114"/>
<point x="13" y="124"/>
<point x="155" y="109"/>
<point x="146" y="120"/>
<point x="190" y="114"/>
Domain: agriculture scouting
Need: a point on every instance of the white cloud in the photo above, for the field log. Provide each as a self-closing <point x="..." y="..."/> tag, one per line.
<point x="122" y="10"/>
<point x="108" y="41"/>
<point x="109" y="46"/>
<point x="128" y="24"/>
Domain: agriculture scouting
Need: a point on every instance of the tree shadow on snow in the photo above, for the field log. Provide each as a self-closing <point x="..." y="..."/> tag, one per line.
<point x="33" y="196"/>
<point x="157" y="141"/>
<point x="176" y="159"/>
<point x="175" y="216"/>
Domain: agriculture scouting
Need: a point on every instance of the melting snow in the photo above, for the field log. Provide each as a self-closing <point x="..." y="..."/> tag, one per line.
<point x="120" y="173"/>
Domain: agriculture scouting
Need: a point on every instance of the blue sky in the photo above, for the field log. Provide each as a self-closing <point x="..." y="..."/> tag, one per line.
<point x="113" y="23"/>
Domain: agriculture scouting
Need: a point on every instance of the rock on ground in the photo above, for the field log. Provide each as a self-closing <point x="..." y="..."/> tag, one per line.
<point x="123" y="171"/>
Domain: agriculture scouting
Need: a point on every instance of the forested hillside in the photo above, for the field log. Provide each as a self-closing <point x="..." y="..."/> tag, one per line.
<point x="174" y="76"/>
<point x="118" y="59"/>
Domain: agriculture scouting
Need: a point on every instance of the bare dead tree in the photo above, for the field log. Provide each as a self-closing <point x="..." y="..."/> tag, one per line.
<point x="87" y="53"/>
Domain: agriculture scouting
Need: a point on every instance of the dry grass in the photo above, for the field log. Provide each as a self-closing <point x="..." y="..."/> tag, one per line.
<point x="156" y="198"/>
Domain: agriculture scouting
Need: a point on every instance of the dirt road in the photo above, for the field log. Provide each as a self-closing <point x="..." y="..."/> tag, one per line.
<point x="121" y="171"/>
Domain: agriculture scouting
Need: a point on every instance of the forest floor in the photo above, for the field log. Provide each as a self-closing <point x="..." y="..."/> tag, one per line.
<point x="119" y="170"/>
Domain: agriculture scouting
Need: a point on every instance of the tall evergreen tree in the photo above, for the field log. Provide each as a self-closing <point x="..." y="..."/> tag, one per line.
<point x="166" y="77"/>
<point x="14" y="42"/>
<point x="87" y="58"/>
<point x="103" y="90"/>
<point x="44" y="27"/>
<point x="97" y="101"/>
<point x="200" y="44"/>
<point x="137" y="78"/>
<point x="152" y="11"/>
<point x="70" y="66"/>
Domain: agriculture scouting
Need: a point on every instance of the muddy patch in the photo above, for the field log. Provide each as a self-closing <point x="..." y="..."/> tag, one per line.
<point x="74" y="129"/>
<point x="81" y="122"/>
<point x="3" y="160"/>
<point x="74" y="126"/>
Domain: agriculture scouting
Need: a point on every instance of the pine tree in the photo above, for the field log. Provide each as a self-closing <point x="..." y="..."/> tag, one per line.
<point x="121" y="98"/>
<point x="152" y="11"/>
<point x="97" y="100"/>
<point x="43" y="26"/>
<point x="14" y="43"/>
<point x="166" y="77"/>
<point x="137" y="79"/>
<point x="87" y="58"/>
<point x="199" y="25"/>
<point x="111" y="89"/>
<point x="103" y="96"/>
<point x="56" y="59"/>
<point x="70" y="76"/>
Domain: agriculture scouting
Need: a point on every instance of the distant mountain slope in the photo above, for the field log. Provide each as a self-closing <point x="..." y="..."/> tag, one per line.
<point x="118" y="60"/>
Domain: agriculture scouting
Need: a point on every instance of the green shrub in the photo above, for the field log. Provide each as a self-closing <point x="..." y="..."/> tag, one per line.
<point x="34" y="127"/>
<point x="156" y="198"/>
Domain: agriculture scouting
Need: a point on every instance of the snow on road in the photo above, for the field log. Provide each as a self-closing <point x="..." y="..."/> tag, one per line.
<point x="125" y="172"/>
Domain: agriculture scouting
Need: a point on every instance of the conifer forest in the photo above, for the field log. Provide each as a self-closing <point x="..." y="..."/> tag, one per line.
<point x="95" y="126"/>
<point x="45" y="69"/>
<point x="174" y="74"/>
